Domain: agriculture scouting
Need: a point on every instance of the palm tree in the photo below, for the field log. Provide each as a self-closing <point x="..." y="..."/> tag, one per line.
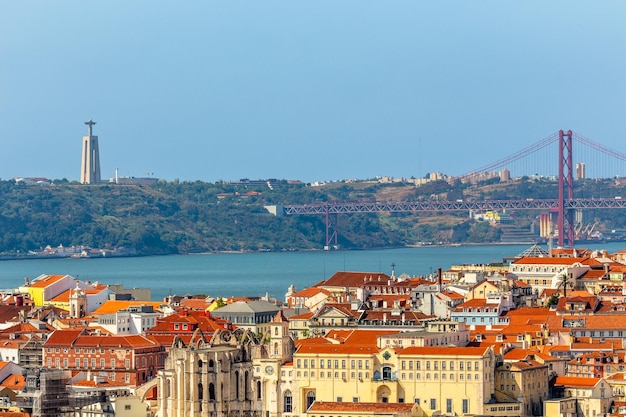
<point x="563" y="281"/>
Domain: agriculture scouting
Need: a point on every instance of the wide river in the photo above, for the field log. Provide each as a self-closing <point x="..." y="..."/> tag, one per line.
<point x="254" y="274"/>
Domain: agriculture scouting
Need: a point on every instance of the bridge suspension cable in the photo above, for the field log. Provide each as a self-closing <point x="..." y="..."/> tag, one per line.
<point x="494" y="166"/>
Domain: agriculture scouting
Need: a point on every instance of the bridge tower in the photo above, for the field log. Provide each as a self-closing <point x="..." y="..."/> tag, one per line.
<point x="565" y="220"/>
<point x="331" y="229"/>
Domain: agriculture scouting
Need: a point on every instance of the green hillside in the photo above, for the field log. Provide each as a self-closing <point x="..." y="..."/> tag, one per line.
<point x="187" y="217"/>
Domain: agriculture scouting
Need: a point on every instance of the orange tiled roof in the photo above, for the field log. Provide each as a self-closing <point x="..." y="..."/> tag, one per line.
<point x="547" y="261"/>
<point x="64" y="297"/>
<point x="76" y="338"/>
<point x="310" y="292"/>
<point x="360" y="407"/>
<point x="304" y="316"/>
<point x="195" y="303"/>
<point x="339" y="349"/>
<point x="113" y="341"/>
<point x="113" y="306"/>
<point x="443" y="351"/>
<point x="515" y="354"/>
<point x="453" y="295"/>
<point x="92" y="383"/>
<point x="14" y="382"/>
<point x="47" y="280"/>
<point x="574" y="381"/>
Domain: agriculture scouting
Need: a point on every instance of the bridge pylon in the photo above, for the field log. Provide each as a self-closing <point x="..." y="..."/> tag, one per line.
<point x="331" y="229"/>
<point x="565" y="217"/>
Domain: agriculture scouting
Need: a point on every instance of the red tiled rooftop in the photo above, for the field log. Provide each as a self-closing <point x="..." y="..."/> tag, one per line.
<point x="572" y="381"/>
<point x="45" y="281"/>
<point x="113" y="306"/>
<point x="360" y="407"/>
<point x="547" y="261"/>
<point x="355" y="279"/>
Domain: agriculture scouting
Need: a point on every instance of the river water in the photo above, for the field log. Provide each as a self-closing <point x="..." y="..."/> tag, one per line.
<point x="254" y="274"/>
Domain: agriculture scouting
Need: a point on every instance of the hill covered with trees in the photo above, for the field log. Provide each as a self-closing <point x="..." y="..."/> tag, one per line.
<point x="188" y="217"/>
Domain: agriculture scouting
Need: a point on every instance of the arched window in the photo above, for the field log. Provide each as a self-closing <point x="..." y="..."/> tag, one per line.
<point x="211" y="392"/>
<point x="258" y="390"/>
<point x="276" y="331"/>
<point x="199" y="365"/>
<point x="275" y="348"/>
<point x="245" y="386"/>
<point x="211" y="364"/>
<point x="287" y="402"/>
<point x="200" y="396"/>
<point x="310" y="399"/>
<point x="168" y="388"/>
<point x="237" y="384"/>
<point x="386" y="373"/>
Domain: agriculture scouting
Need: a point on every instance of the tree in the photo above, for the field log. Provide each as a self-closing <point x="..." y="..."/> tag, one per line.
<point x="563" y="282"/>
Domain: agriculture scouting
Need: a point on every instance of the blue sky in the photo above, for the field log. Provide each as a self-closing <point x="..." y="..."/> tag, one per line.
<point x="324" y="90"/>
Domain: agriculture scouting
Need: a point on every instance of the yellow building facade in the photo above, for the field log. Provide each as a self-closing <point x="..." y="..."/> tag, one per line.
<point x="438" y="380"/>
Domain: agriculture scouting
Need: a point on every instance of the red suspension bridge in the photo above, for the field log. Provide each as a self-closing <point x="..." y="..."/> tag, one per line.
<point x="598" y="157"/>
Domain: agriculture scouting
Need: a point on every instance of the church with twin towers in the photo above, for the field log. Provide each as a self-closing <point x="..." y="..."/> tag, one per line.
<point x="90" y="163"/>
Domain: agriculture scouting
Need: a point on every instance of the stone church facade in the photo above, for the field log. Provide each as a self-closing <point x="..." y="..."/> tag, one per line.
<point x="227" y="375"/>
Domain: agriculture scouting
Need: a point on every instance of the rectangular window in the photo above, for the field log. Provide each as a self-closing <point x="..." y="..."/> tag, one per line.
<point x="85" y="363"/>
<point x="77" y="362"/>
<point x="452" y="365"/>
<point x="433" y="403"/>
<point x="355" y="399"/>
<point x="476" y="366"/>
<point x="343" y="364"/>
<point x="336" y="364"/>
<point x="428" y="365"/>
<point x="461" y="365"/>
<point x="57" y="362"/>
<point x="403" y="365"/>
<point x="339" y="399"/>
<point x="127" y="363"/>
<point x="322" y="363"/>
<point x="360" y="364"/>
<point x="112" y="363"/>
<point x="448" y="405"/>
<point x="410" y="365"/>
<point x="306" y="363"/>
<point x="443" y="365"/>
<point x="93" y="363"/>
<point x="418" y="365"/>
<point x="298" y="363"/>
<point x="352" y="364"/>
<point x="436" y="364"/>
<point x="465" y="406"/>
<point x="367" y="364"/>
<point x="416" y="400"/>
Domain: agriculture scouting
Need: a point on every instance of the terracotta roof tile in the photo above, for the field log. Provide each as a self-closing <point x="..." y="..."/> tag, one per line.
<point x="572" y="381"/>
<point x="113" y="306"/>
<point x="360" y="407"/>
<point x="355" y="279"/>
<point x="547" y="261"/>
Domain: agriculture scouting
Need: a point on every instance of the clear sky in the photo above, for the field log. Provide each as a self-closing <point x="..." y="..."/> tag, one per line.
<point x="309" y="90"/>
